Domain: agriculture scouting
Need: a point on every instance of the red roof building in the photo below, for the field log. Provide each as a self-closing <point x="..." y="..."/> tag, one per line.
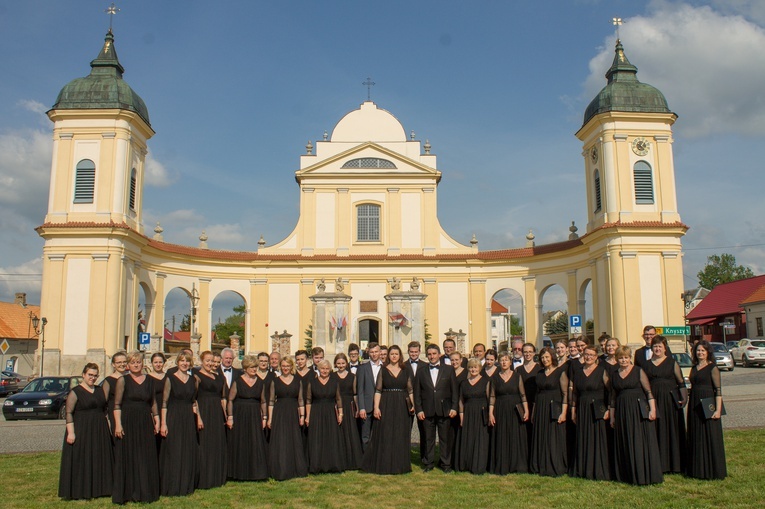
<point x="723" y="306"/>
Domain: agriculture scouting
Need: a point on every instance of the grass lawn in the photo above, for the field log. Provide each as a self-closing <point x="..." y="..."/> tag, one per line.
<point x="31" y="480"/>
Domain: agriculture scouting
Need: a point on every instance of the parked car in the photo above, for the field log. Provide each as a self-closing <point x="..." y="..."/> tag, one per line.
<point x="686" y="363"/>
<point x="723" y="358"/>
<point x="42" y="398"/>
<point x="8" y="385"/>
<point x="21" y="380"/>
<point x="750" y="352"/>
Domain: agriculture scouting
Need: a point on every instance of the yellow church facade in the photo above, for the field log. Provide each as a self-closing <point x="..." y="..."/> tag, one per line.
<point x="368" y="258"/>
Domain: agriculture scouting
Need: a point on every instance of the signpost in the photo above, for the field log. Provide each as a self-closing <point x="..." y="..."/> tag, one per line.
<point x="674" y="330"/>
<point x="574" y="325"/>
<point x="144" y="340"/>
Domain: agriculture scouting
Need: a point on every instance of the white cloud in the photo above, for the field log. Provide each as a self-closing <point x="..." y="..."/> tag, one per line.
<point x="156" y="174"/>
<point x="25" y="158"/>
<point x="21" y="278"/>
<point x="33" y="106"/>
<point x="707" y="64"/>
<point x="752" y="9"/>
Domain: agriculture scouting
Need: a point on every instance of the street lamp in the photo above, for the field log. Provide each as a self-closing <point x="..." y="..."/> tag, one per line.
<point x="40" y="332"/>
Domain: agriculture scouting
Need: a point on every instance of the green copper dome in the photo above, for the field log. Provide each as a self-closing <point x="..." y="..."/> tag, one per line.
<point x="624" y="92"/>
<point x="103" y="88"/>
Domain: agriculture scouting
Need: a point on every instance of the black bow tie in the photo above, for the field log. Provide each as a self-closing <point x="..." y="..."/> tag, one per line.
<point x="434" y="366"/>
<point x="227" y="370"/>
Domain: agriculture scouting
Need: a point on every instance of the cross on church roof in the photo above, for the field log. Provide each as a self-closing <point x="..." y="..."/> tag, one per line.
<point x="617" y="22"/>
<point x="369" y="84"/>
<point x="111" y="11"/>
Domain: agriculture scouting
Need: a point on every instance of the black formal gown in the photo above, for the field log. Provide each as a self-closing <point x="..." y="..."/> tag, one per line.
<point x="111" y="384"/>
<point x="706" y="449"/>
<point x="179" y="456"/>
<point x="389" y="443"/>
<point x="471" y="453"/>
<point x="159" y="389"/>
<point x="304" y="381"/>
<point x="212" y="437"/>
<point x="572" y="366"/>
<point x="86" y="465"/>
<point x="508" y="446"/>
<point x="136" y="466"/>
<point x="593" y="454"/>
<point x="530" y="385"/>
<point x="670" y="418"/>
<point x="350" y="439"/>
<point x="549" y="454"/>
<point x="247" y="451"/>
<point x="286" y="456"/>
<point x="455" y="421"/>
<point x="636" y="451"/>
<point x="325" y="440"/>
<point x="267" y="381"/>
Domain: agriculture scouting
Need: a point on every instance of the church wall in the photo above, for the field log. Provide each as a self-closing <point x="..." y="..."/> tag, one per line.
<point x="651" y="295"/>
<point x="453" y="307"/>
<point x="284" y="311"/>
<point x="77" y="306"/>
<point x="411" y="221"/>
<point x="325" y="219"/>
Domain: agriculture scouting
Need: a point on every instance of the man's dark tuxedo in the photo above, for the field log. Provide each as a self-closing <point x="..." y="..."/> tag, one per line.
<point x="365" y="391"/>
<point x="436" y="401"/>
<point x="413" y="371"/>
<point x="235" y="373"/>
<point x="640" y="356"/>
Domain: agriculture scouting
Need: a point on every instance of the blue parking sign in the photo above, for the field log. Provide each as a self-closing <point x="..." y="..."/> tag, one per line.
<point x="575" y="321"/>
<point x="144" y="338"/>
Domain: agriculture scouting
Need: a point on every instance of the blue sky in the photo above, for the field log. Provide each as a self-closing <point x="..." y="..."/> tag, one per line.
<point x="235" y="89"/>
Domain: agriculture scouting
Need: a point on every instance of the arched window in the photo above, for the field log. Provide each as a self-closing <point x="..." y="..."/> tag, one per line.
<point x="85" y="181"/>
<point x="368" y="223"/>
<point x="132" y="189"/>
<point x="369" y="162"/>
<point x="643" y="175"/>
<point x="598" y="199"/>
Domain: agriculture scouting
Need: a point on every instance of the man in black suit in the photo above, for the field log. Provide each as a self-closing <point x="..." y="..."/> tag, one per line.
<point x="414" y="364"/>
<point x="227" y="369"/>
<point x="449" y="347"/>
<point x="436" y="398"/>
<point x="366" y="380"/>
<point x="644" y="354"/>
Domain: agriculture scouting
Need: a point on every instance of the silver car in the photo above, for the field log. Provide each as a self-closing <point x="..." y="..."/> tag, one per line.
<point x="750" y="352"/>
<point x="723" y="358"/>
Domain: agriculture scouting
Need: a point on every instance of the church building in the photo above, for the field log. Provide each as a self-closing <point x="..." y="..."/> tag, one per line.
<point x="368" y="258"/>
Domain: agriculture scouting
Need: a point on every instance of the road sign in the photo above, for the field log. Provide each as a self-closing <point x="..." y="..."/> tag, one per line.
<point x="144" y="340"/>
<point x="575" y="330"/>
<point x="575" y="321"/>
<point x="674" y="330"/>
<point x="4" y="346"/>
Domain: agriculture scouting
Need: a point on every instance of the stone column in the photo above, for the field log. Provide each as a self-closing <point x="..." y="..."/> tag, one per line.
<point x="406" y="314"/>
<point x="331" y="318"/>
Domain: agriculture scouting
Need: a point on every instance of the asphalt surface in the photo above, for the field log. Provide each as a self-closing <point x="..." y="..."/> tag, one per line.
<point x="743" y="394"/>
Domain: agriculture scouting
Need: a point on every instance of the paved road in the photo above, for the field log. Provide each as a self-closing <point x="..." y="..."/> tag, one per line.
<point x="743" y="391"/>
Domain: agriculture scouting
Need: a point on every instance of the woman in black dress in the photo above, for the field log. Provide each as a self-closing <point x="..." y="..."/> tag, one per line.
<point x="528" y="371"/>
<point x="461" y="375"/>
<point x="211" y="401"/>
<point x="389" y="443"/>
<point x="633" y="412"/>
<point x="264" y="373"/>
<point x="489" y="363"/>
<point x="286" y="415"/>
<point x="305" y="374"/>
<point x="471" y="453"/>
<point x="548" y="442"/>
<point x="157" y="375"/>
<point x="323" y="418"/>
<point x="247" y="415"/>
<point x="86" y="459"/>
<point x="179" y="455"/>
<point x="671" y="396"/>
<point x="350" y="440"/>
<point x="609" y="356"/>
<point x="590" y="413"/>
<point x="706" y="449"/>
<point x="508" y="447"/>
<point x="136" y="421"/>
<point x="119" y="368"/>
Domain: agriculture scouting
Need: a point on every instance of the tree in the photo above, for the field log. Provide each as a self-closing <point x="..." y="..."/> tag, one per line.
<point x="722" y="269"/>
<point x="516" y="329"/>
<point x="308" y="340"/>
<point x="426" y="333"/>
<point x="185" y="323"/>
<point x="233" y="324"/>
<point x="557" y="325"/>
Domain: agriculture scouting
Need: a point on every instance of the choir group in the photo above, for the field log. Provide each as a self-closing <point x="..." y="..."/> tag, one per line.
<point x="567" y="410"/>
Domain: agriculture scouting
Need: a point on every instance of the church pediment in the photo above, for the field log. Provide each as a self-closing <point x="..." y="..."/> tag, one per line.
<point x="368" y="160"/>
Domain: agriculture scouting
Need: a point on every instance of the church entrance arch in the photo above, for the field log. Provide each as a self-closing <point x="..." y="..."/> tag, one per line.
<point x="506" y="318"/>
